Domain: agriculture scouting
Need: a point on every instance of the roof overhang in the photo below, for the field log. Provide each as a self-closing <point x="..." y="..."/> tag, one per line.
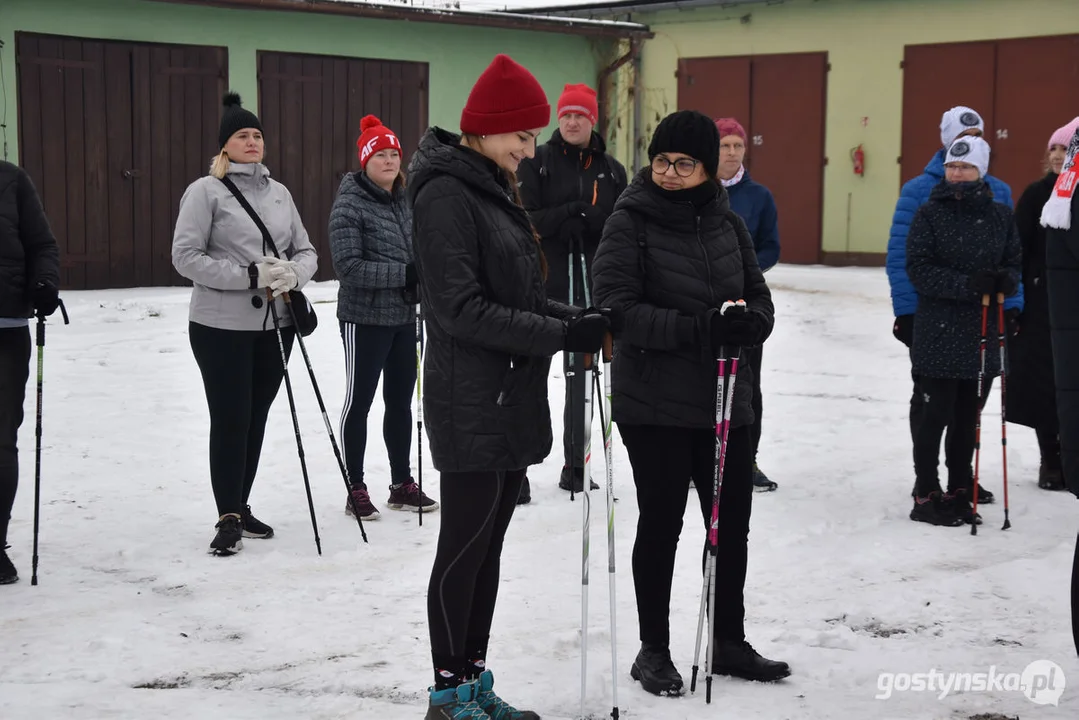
<point x="410" y="13"/>
<point x="611" y="8"/>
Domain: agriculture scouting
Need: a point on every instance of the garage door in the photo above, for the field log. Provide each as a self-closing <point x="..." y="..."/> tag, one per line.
<point x="311" y="107"/>
<point x="1007" y="83"/>
<point x="111" y="133"/>
<point x="786" y="150"/>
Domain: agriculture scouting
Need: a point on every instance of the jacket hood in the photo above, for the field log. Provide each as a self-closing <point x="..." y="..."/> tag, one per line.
<point x="936" y="164"/>
<point x="663" y="209"/>
<point x="440" y="153"/>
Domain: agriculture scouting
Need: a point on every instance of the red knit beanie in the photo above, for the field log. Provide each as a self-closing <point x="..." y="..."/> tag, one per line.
<point x="579" y="99"/>
<point x="506" y="98"/>
<point x="730" y="126"/>
<point x="374" y="136"/>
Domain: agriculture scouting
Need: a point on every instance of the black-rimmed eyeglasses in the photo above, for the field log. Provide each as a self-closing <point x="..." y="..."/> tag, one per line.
<point x="683" y="167"/>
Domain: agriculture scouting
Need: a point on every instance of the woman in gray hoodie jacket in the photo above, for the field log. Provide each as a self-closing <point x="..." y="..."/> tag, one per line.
<point x="371" y="247"/>
<point x="219" y="247"/>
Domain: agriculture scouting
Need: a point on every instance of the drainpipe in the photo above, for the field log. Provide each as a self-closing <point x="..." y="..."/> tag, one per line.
<point x="605" y="74"/>
<point x="638" y="111"/>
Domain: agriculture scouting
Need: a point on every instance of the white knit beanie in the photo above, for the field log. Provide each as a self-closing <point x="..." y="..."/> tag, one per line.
<point x="957" y="121"/>
<point x="973" y="150"/>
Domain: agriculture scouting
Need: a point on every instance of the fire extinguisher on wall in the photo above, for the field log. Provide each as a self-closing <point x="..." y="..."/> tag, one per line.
<point x="857" y="157"/>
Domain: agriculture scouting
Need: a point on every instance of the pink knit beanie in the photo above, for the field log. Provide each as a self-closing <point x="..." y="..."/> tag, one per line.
<point x="1063" y="136"/>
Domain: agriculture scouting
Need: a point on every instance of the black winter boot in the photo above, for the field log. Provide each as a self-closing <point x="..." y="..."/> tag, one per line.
<point x="8" y="574"/>
<point x="229" y="538"/>
<point x="1050" y="476"/>
<point x="741" y="660"/>
<point x="578" y="479"/>
<point x="253" y="527"/>
<point x="934" y="510"/>
<point x="655" y="671"/>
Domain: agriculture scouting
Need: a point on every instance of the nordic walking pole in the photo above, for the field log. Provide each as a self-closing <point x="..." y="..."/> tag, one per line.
<point x="1003" y="402"/>
<point x="322" y="407"/>
<point x="292" y="405"/>
<point x="37" y="430"/>
<point x="588" y="362"/>
<point x="608" y="430"/>
<point x="419" y="403"/>
<point x="978" y="425"/>
<point x="570" y="374"/>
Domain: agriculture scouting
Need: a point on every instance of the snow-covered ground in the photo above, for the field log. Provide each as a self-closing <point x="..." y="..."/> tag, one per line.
<point x="132" y="619"/>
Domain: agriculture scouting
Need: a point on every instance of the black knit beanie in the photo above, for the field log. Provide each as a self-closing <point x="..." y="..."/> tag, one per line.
<point x="236" y="119"/>
<point x="691" y="133"/>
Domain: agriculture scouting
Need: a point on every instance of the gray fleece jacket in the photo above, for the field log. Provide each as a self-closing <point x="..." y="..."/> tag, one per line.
<point x="216" y="240"/>
<point x="370" y="245"/>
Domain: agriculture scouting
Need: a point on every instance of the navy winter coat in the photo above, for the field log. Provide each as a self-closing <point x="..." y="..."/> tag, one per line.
<point x="916" y="193"/>
<point x="755" y="205"/>
<point x="960" y="231"/>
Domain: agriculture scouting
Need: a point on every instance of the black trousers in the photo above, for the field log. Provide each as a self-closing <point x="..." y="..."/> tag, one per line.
<point x="14" y="372"/>
<point x="573" y="414"/>
<point x="476" y="511"/>
<point x="664" y="460"/>
<point x="952" y="404"/>
<point x="755" y="357"/>
<point x="917" y="411"/>
<point x="241" y="372"/>
<point x="373" y="352"/>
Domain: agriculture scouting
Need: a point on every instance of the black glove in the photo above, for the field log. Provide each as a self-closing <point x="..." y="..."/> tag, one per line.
<point x="410" y="277"/>
<point x="613" y="314"/>
<point x="1012" y="322"/>
<point x="46" y="298"/>
<point x="735" y="328"/>
<point x="585" y="332"/>
<point x="903" y="329"/>
<point x="984" y="282"/>
<point x="1006" y="283"/>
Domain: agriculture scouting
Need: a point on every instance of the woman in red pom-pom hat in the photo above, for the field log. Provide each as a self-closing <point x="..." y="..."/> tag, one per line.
<point x="491" y="335"/>
<point x="371" y="247"/>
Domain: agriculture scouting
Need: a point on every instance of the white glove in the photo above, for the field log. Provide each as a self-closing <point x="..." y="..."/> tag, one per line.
<point x="277" y="274"/>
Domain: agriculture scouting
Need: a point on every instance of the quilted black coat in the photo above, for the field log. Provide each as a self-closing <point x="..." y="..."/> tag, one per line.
<point x="693" y="259"/>
<point x="491" y="330"/>
<point x="28" y="250"/>
<point x="960" y="231"/>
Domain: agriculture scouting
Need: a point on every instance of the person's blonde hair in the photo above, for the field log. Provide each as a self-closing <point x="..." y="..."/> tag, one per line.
<point x="473" y="142"/>
<point x="219" y="168"/>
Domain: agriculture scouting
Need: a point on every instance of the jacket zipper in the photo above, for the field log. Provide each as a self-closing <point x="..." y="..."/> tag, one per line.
<point x="707" y="263"/>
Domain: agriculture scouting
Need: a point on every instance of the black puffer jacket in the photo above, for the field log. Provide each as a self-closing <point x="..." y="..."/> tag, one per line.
<point x="554" y="186"/>
<point x="693" y="260"/>
<point x="957" y="233"/>
<point x="491" y="330"/>
<point x="28" y="251"/>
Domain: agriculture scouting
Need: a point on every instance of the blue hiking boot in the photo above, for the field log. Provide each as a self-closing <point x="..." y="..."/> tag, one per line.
<point x="495" y="707"/>
<point x="761" y="482"/>
<point x="457" y="703"/>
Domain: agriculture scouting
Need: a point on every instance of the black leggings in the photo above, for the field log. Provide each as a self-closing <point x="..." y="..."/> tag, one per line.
<point x="664" y="460"/>
<point x="14" y="372"/>
<point x="241" y="372"/>
<point x="476" y="511"/>
<point x="371" y="352"/>
<point x="951" y="404"/>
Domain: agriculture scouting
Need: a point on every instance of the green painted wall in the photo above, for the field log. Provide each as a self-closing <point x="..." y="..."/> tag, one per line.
<point x="456" y="54"/>
<point x="864" y="40"/>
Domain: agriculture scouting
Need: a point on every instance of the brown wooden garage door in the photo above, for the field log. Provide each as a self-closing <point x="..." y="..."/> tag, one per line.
<point x="786" y="149"/>
<point x="1023" y="88"/>
<point x="111" y="133"/>
<point x="311" y="106"/>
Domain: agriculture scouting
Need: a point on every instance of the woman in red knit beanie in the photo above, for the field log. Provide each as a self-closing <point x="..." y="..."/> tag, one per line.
<point x="491" y="335"/>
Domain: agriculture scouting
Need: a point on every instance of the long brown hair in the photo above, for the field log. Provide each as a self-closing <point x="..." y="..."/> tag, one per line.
<point x="510" y="178"/>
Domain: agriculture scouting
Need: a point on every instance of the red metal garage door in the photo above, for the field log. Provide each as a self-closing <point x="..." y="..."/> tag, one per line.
<point x="311" y="106"/>
<point x="786" y="149"/>
<point x="111" y="133"/>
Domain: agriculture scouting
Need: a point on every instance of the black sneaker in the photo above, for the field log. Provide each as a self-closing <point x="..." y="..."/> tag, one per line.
<point x="8" y="574"/>
<point x="655" y="672"/>
<point x="253" y="527"/>
<point x="958" y="503"/>
<point x="934" y="510"/>
<point x="228" y="541"/>
<point x="761" y="482"/>
<point x="739" y="659"/>
<point x="578" y="479"/>
<point x="1050" y="478"/>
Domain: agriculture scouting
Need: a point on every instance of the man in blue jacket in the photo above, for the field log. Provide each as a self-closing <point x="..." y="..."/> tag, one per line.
<point x="958" y="121"/>
<point x="755" y="205"/>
